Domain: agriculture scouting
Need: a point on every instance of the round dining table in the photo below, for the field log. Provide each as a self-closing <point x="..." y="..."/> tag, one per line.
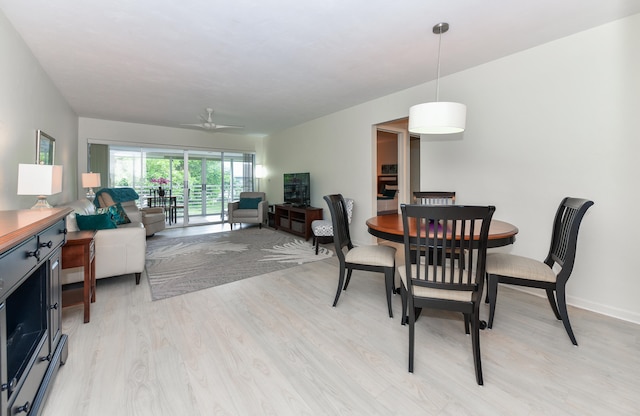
<point x="389" y="227"/>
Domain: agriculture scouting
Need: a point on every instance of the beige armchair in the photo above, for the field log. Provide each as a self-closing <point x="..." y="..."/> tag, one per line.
<point x="153" y="219"/>
<point x="250" y="209"/>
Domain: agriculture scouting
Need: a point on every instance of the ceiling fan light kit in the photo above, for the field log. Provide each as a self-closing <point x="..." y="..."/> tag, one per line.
<point x="208" y="124"/>
<point x="438" y="117"/>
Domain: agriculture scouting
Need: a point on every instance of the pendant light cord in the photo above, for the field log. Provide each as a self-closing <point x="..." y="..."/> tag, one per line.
<point x="438" y="72"/>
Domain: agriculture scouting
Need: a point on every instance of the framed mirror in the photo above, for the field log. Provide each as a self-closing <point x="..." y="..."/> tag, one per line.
<point x="45" y="148"/>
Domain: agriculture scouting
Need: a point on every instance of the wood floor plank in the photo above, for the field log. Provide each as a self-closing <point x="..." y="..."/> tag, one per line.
<point x="273" y="345"/>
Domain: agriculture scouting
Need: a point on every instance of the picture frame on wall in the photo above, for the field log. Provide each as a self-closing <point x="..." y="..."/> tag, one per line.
<point x="45" y="148"/>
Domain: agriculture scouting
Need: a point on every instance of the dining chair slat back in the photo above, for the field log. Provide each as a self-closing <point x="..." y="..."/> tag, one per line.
<point x="435" y="197"/>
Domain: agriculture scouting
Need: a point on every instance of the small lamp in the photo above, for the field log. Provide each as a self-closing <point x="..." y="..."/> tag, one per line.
<point x="438" y="117"/>
<point x="40" y="180"/>
<point x="260" y="173"/>
<point x="90" y="180"/>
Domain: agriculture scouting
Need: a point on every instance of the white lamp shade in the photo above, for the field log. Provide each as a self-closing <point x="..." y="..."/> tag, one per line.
<point x="39" y="179"/>
<point x="261" y="171"/>
<point x="90" y="180"/>
<point x="437" y="118"/>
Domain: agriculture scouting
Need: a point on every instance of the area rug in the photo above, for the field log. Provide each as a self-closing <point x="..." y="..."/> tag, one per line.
<point x="185" y="264"/>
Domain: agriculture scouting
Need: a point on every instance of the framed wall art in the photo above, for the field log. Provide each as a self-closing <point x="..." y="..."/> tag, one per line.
<point x="45" y="148"/>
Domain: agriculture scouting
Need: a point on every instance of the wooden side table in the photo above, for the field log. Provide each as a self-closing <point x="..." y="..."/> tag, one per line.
<point x="79" y="251"/>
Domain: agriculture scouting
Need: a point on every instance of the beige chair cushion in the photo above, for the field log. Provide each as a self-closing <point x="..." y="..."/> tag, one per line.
<point x="426" y="292"/>
<point x="372" y="255"/>
<point x="520" y="267"/>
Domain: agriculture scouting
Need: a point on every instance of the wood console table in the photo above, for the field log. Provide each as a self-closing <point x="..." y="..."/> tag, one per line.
<point x="79" y="251"/>
<point x="296" y="220"/>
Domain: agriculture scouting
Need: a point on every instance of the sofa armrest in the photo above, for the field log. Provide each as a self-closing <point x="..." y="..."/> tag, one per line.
<point x="263" y="207"/>
<point x="232" y="206"/>
<point x="152" y="210"/>
<point x="121" y="250"/>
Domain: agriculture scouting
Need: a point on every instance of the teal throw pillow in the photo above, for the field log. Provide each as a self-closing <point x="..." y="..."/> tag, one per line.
<point x="249" y="203"/>
<point x="94" y="222"/>
<point x="116" y="212"/>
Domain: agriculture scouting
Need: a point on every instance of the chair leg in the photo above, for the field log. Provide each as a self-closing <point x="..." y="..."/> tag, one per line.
<point x="346" y="283"/>
<point x="340" y="281"/>
<point x="138" y="278"/>
<point x="403" y="296"/>
<point x="492" y="294"/>
<point x="562" y="308"/>
<point x="317" y="242"/>
<point x="475" y="341"/>
<point x="486" y="296"/>
<point x="552" y="302"/>
<point x="389" y="273"/>
<point x="412" y="321"/>
<point x="466" y="323"/>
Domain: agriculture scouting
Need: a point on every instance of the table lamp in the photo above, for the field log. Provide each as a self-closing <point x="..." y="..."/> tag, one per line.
<point x="90" y="180"/>
<point x="40" y="180"/>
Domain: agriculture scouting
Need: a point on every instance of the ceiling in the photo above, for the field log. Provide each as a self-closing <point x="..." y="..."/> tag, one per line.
<point x="273" y="64"/>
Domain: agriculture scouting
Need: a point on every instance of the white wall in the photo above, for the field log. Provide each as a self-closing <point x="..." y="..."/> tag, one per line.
<point x="30" y="101"/>
<point x="556" y="120"/>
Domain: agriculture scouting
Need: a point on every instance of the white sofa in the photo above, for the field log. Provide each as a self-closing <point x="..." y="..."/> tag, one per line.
<point x="119" y="251"/>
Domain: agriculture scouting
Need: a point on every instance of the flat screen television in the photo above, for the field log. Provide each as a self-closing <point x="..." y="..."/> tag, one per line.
<point x="297" y="189"/>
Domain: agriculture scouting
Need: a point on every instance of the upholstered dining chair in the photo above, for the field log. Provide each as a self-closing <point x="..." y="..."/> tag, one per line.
<point x="323" y="229"/>
<point x="445" y="284"/>
<point x="374" y="258"/>
<point x="551" y="274"/>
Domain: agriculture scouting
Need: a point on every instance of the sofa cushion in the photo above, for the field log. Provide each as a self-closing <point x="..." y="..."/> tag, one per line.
<point x="95" y="222"/>
<point x="116" y="212"/>
<point x="249" y="203"/>
<point x="245" y="213"/>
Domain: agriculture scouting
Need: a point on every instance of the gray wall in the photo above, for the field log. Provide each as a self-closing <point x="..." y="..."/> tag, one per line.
<point x="29" y="101"/>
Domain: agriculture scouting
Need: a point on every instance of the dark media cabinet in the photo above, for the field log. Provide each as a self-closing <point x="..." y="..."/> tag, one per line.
<point x="296" y="220"/>
<point x="32" y="345"/>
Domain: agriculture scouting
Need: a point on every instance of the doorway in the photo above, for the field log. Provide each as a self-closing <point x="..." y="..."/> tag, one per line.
<point x="407" y="156"/>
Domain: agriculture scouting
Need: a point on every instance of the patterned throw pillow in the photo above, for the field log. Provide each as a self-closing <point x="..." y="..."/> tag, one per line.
<point x="116" y="212"/>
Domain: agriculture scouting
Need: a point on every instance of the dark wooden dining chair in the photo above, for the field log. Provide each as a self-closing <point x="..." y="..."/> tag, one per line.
<point x="445" y="284"/>
<point x="439" y="198"/>
<point x="373" y="258"/>
<point x="551" y="274"/>
<point x="434" y="197"/>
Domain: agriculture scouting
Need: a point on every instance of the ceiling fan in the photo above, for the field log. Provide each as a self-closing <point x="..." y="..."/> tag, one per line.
<point x="208" y="124"/>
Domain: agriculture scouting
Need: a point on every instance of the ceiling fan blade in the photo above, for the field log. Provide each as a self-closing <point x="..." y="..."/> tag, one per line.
<point x="208" y="124"/>
<point x="222" y="126"/>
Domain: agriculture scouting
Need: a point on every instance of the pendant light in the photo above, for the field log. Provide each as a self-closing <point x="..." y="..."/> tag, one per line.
<point x="438" y="117"/>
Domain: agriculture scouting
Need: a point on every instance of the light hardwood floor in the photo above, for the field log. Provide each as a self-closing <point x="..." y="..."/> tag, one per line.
<point x="273" y="345"/>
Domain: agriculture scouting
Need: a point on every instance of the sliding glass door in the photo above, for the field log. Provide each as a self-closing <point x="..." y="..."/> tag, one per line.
<point x="203" y="182"/>
<point x="215" y="179"/>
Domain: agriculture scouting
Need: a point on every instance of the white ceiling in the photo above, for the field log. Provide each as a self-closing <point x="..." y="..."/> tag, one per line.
<point x="272" y="64"/>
